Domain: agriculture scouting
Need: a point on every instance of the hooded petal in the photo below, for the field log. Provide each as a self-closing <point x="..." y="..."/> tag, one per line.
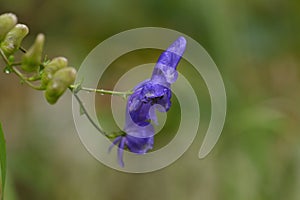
<point x="139" y="139"/>
<point x="133" y="129"/>
<point x="139" y="110"/>
<point x="152" y="114"/>
<point x="165" y="70"/>
<point x="140" y="102"/>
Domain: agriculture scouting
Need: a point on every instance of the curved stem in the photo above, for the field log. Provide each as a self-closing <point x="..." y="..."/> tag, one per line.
<point x="17" y="72"/>
<point x="20" y="75"/>
<point x="88" y="116"/>
<point x="4" y="57"/>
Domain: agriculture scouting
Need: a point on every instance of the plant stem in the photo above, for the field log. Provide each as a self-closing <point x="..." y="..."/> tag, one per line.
<point x="23" y="49"/>
<point x="20" y="75"/>
<point x="88" y="115"/>
<point x="17" y="72"/>
<point x="111" y="135"/>
<point x="102" y="91"/>
<point x="16" y="64"/>
<point x="4" y="57"/>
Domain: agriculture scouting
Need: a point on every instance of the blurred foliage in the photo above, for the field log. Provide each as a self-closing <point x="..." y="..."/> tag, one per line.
<point x="255" y="44"/>
<point x="2" y="162"/>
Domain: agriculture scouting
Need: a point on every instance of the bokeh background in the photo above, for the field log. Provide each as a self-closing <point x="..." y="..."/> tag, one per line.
<point x="255" y="44"/>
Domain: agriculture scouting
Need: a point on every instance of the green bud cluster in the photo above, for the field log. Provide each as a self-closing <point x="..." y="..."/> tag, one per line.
<point x="55" y="76"/>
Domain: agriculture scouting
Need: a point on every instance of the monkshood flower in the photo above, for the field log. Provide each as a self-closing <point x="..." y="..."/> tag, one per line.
<point x="151" y="94"/>
<point x="157" y="89"/>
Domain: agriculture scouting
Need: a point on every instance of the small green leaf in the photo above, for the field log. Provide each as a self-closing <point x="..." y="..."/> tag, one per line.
<point x="81" y="110"/>
<point x="77" y="87"/>
<point x="2" y="160"/>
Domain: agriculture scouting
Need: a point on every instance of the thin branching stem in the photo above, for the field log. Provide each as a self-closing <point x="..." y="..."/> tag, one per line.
<point x="17" y="72"/>
<point x="23" y="49"/>
<point x="25" y="80"/>
<point x="102" y="91"/>
<point x="4" y="57"/>
<point x="88" y="115"/>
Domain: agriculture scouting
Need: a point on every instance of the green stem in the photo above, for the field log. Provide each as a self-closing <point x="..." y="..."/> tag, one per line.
<point x="4" y="57"/>
<point x="88" y="115"/>
<point x="17" y="72"/>
<point x="35" y="77"/>
<point x="16" y="64"/>
<point x="20" y="75"/>
<point x="102" y="91"/>
<point x="23" y="49"/>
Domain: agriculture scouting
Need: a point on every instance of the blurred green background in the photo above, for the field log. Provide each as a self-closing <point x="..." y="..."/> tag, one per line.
<point x="255" y="44"/>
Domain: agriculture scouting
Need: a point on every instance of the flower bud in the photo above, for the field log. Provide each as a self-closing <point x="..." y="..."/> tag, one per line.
<point x="7" y="22"/>
<point x="13" y="39"/>
<point x="32" y="59"/>
<point x="53" y="66"/>
<point x="62" y="79"/>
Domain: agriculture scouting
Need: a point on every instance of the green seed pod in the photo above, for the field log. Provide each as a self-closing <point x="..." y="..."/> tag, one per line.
<point x="53" y="66"/>
<point x="32" y="59"/>
<point x="7" y="22"/>
<point x="62" y="79"/>
<point x="13" y="39"/>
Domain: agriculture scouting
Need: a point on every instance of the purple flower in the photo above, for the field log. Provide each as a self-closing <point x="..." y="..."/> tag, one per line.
<point x="157" y="89"/>
<point x="136" y="139"/>
<point x="149" y="95"/>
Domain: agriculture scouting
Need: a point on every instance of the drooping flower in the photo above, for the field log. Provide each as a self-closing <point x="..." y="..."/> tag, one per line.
<point x="151" y="94"/>
<point x="157" y="89"/>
